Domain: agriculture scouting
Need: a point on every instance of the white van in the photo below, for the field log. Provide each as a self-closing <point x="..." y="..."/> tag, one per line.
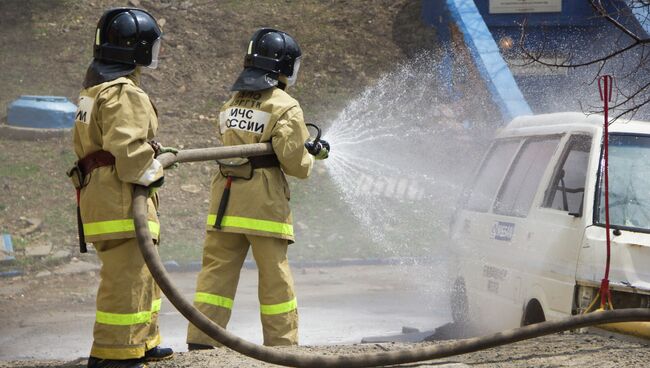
<point x="530" y="235"/>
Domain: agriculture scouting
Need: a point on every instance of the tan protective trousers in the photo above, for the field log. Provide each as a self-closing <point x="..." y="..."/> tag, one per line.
<point x="223" y="257"/>
<point x="128" y="302"/>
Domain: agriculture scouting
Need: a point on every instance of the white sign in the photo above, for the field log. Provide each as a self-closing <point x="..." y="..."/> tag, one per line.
<point x="525" y="6"/>
<point x="241" y="118"/>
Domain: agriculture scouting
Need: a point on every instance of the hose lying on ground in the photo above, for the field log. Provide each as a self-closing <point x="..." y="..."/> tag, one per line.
<point x="275" y="356"/>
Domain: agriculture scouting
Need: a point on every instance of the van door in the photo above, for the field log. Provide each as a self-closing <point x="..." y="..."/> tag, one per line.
<point x="554" y="239"/>
<point x="492" y="237"/>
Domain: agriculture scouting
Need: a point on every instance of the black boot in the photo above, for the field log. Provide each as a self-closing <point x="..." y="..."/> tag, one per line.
<point x="110" y="363"/>
<point x="158" y="353"/>
<point x="192" y="347"/>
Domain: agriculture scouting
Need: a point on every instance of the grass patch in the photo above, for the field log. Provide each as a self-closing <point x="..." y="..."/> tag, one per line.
<point x="18" y="170"/>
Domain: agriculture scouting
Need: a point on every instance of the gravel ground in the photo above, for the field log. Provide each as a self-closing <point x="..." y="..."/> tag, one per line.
<point x="559" y="350"/>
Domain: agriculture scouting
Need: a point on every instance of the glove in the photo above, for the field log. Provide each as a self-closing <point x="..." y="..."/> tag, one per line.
<point x="319" y="149"/>
<point x="173" y="150"/>
<point x="164" y="149"/>
<point x="159" y="149"/>
<point x="153" y="187"/>
<point x="322" y="154"/>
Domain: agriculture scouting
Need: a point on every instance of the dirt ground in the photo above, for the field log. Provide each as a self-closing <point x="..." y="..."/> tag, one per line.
<point x="565" y="350"/>
<point x="47" y="46"/>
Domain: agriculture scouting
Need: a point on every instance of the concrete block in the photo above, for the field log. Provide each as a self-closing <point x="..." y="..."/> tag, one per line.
<point x="40" y="250"/>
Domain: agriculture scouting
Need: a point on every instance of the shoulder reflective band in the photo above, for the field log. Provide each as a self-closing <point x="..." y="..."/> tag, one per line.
<point x="285" y="307"/>
<point x="253" y="224"/>
<point x="127" y="319"/>
<point x="218" y="300"/>
<point x="116" y="226"/>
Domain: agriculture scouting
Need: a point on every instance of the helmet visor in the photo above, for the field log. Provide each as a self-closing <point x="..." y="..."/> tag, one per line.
<point x="155" y="50"/>
<point x="291" y="80"/>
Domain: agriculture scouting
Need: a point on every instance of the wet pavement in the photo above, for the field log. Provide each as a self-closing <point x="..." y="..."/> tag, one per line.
<point x="337" y="305"/>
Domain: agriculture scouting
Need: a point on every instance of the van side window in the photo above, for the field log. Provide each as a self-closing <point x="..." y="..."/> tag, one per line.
<point x="491" y="174"/>
<point x="518" y="191"/>
<point x="567" y="189"/>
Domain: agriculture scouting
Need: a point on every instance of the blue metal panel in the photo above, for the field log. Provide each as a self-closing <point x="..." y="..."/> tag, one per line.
<point x="6" y="247"/>
<point x="576" y="34"/>
<point x="490" y="63"/>
<point x="46" y="112"/>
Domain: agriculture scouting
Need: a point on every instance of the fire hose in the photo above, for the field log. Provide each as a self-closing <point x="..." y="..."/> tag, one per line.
<point x="275" y="356"/>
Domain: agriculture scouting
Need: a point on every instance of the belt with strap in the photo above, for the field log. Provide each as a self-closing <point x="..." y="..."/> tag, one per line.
<point x="257" y="162"/>
<point x="94" y="160"/>
<point x="82" y="168"/>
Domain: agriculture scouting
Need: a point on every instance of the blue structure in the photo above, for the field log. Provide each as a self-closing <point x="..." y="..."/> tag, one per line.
<point x="559" y="30"/>
<point x="6" y="248"/>
<point x="45" y="112"/>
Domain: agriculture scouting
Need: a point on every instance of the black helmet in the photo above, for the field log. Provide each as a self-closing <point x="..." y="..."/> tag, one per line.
<point x="271" y="53"/>
<point x="128" y="36"/>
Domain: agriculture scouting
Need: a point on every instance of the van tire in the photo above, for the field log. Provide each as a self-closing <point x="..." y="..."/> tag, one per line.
<point x="534" y="313"/>
<point x="459" y="303"/>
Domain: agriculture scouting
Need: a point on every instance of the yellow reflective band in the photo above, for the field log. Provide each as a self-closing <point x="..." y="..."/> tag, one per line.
<point x="116" y="226"/>
<point x="286" y="307"/>
<point x="155" y="306"/>
<point x="253" y="224"/>
<point x="154" y="228"/>
<point x="119" y="319"/>
<point x="127" y="319"/>
<point x="218" y="300"/>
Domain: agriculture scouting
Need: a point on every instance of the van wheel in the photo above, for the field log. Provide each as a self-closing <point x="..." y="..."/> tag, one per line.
<point x="534" y="313"/>
<point x="459" y="304"/>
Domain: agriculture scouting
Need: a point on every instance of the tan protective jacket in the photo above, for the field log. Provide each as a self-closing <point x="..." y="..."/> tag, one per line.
<point x="260" y="206"/>
<point x="118" y="117"/>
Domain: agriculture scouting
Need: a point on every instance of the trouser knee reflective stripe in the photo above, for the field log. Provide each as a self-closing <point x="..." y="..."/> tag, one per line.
<point x="280" y="323"/>
<point x="128" y="302"/>
<point x="272" y="309"/>
<point x="223" y="257"/>
<point x="278" y="306"/>
<point x="126" y="319"/>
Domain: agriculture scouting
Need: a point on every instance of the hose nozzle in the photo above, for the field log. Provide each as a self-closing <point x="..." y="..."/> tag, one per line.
<point x="314" y="147"/>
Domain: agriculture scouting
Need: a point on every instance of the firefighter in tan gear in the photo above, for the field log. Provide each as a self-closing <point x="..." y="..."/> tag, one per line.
<point x="249" y="203"/>
<point x="115" y="121"/>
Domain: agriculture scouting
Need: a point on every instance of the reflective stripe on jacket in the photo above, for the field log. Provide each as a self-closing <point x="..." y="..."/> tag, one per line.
<point x="118" y="117"/>
<point x="260" y="206"/>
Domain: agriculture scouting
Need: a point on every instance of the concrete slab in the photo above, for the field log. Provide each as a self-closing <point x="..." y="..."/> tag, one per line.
<point x="76" y="267"/>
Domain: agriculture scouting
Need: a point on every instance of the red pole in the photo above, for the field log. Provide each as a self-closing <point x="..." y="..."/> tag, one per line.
<point x="605" y="89"/>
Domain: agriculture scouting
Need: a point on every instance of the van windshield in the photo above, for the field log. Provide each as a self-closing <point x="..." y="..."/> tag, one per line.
<point x="629" y="183"/>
